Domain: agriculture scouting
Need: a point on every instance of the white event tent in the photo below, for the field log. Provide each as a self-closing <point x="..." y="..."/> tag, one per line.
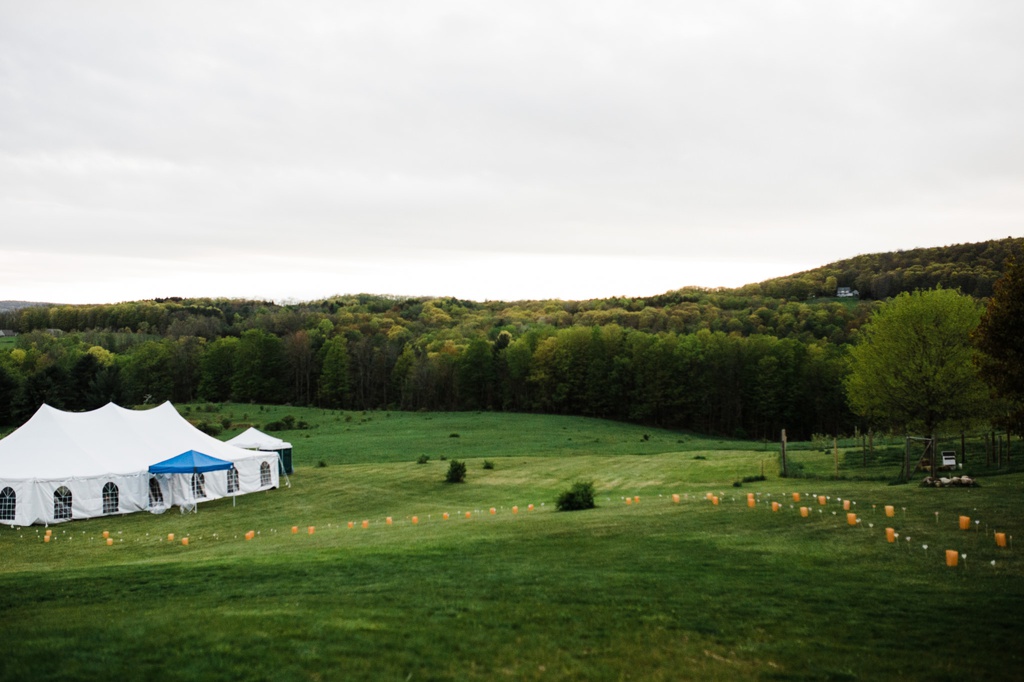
<point x="254" y="439"/>
<point x="61" y="465"/>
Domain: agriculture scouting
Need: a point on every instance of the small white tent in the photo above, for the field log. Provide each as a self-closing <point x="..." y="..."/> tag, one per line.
<point x="254" y="439"/>
<point x="60" y="465"/>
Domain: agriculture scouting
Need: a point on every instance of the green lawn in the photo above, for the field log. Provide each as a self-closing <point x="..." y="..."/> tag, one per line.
<point x="650" y="590"/>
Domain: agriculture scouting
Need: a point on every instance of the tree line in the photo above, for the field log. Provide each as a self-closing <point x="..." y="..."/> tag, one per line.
<point x="735" y="362"/>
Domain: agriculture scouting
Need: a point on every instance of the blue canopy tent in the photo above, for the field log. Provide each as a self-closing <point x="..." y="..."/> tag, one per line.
<point x="194" y="463"/>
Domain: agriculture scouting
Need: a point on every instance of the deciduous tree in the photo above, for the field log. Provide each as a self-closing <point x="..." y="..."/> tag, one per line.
<point x="914" y="365"/>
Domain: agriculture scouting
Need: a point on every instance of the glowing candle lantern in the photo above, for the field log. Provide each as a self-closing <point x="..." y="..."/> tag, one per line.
<point x="796" y="497"/>
<point x="366" y="524"/>
<point x="49" y="531"/>
<point x="170" y="537"/>
<point x="846" y="505"/>
<point x="675" y="498"/>
<point x="110" y="541"/>
<point x="351" y="524"/>
<point x="636" y="498"/>
<point x="1000" y="539"/>
<point x="776" y="506"/>
<point x="890" y="534"/>
<point x="389" y="521"/>
<point x="708" y="496"/>
<point x="106" y="533"/>
<point x="890" y="510"/>
<point x="184" y="542"/>
<point x="629" y="500"/>
<point x="295" y="529"/>
<point x="529" y="508"/>
<point x="445" y="516"/>
<point x="46" y="538"/>
<point x="751" y="502"/>
<point x="468" y="514"/>
<point x="311" y="530"/>
<point x="851" y="519"/>
<point x="493" y="510"/>
<point x="821" y="500"/>
<point x="250" y="535"/>
<point x="714" y="500"/>
<point x="515" y="510"/>
<point x="805" y="512"/>
<point x="965" y="523"/>
<point x="952" y="557"/>
<point x="415" y="520"/>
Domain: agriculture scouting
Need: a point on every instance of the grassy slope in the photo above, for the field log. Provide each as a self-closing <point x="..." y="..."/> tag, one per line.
<point x="652" y="590"/>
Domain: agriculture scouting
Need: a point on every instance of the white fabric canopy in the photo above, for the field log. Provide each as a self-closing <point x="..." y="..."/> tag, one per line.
<point x="102" y="458"/>
<point x="254" y="439"/>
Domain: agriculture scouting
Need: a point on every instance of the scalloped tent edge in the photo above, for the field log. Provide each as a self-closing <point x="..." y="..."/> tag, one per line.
<point x="98" y="462"/>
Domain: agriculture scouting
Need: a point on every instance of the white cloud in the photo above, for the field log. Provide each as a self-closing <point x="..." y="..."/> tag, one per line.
<point x="591" y="138"/>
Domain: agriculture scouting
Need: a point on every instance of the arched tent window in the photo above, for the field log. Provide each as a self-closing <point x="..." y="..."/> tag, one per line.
<point x="156" y="496"/>
<point x="264" y="474"/>
<point x="62" y="503"/>
<point x="8" y="504"/>
<point x="232" y="480"/>
<point x="110" y="495"/>
<point x="198" y="486"/>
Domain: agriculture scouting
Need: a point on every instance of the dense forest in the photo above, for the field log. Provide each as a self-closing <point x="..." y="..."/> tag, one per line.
<point x="743" y="362"/>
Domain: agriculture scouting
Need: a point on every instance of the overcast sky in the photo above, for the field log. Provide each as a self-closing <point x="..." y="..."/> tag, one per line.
<point x="494" y="150"/>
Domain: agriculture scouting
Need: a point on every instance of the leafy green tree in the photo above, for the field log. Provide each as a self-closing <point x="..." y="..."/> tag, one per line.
<point x="147" y="372"/>
<point x="475" y="374"/>
<point x="9" y="390"/>
<point x="914" y="367"/>
<point x="1000" y="338"/>
<point x="216" y="369"/>
<point x="334" y="377"/>
<point x="259" y="368"/>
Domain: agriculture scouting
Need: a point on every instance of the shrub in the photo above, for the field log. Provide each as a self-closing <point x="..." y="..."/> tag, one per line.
<point x="456" y="472"/>
<point x="488" y="464"/>
<point x="209" y="429"/>
<point x="226" y="422"/>
<point x="423" y="459"/>
<point x="579" y="496"/>
<point x="322" y="464"/>
<point x="289" y="421"/>
<point x="453" y="435"/>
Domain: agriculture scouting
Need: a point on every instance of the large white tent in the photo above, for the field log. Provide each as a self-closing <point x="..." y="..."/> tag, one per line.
<point x="61" y="465"/>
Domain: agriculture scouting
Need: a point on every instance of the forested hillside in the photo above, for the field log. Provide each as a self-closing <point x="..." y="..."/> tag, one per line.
<point x="742" y="362"/>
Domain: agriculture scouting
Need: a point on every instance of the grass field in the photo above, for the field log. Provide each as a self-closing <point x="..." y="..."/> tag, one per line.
<point x="650" y="590"/>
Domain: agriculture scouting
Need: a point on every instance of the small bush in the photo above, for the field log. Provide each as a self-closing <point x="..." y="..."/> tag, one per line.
<point x="226" y="423"/>
<point x="209" y="429"/>
<point x="754" y="479"/>
<point x="322" y="464"/>
<point x="423" y="459"/>
<point x="488" y="464"/>
<point x="456" y="472"/>
<point x="646" y="437"/>
<point x="453" y="435"/>
<point x="579" y="496"/>
<point x="699" y="457"/>
<point x="289" y="421"/>
<point x="274" y="426"/>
